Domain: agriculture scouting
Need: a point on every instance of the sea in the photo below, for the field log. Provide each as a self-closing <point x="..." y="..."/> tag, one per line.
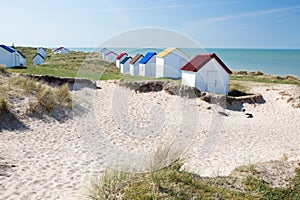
<point x="280" y="62"/>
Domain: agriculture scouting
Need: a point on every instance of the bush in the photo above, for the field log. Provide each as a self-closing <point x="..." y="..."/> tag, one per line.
<point x="3" y="105"/>
<point x="240" y="73"/>
<point x="291" y="77"/>
<point x="256" y="73"/>
<point x="3" y="69"/>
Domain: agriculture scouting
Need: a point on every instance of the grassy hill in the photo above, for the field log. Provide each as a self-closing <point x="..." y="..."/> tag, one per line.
<point x="73" y="64"/>
<point x="91" y="66"/>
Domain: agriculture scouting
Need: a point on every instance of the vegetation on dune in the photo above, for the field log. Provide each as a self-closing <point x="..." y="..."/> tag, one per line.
<point x="91" y="66"/>
<point x="173" y="183"/>
<point x="237" y="89"/>
<point x="3" y="69"/>
<point x="3" y="104"/>
<point x="264" y="78"/>
<point x="41" y="97"/>
<point x="73" y="64"/>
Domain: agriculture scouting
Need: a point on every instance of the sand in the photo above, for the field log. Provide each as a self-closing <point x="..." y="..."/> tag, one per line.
<point x="115" y="127"/>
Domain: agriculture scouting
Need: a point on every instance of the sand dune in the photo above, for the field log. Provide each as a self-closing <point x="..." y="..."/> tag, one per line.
<point x="117" y="127"/>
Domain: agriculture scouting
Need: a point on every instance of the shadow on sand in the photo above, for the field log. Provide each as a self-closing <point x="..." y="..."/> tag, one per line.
<point x="9" y="121"/>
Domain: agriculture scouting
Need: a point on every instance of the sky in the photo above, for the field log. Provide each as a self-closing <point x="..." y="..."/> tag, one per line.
<point x="212" y="24"/>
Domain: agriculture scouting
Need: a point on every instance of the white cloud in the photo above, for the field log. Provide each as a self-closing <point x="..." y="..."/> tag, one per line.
<point x="214" y="20"/>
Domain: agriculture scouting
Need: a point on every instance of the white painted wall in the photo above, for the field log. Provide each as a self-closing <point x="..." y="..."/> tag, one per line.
<point x="9" y="59"/>
<point x="111" y="57"/>
<point x="118" y="60"/>
<point x="188" y="78"/>
<point x="64" y="51"/>
<point x="124" y="68"/>
<point x="210" y="78"/>
<point x="169" y="66"/>
<point x="22" y="60"/>
<point x="103" y="52"/>
<point x="118" y="63"/>
<point x="134" y="68"/>
<point x="37" y="60"/>
<point x="149" y="68"/>
<point x="41" y="51"/>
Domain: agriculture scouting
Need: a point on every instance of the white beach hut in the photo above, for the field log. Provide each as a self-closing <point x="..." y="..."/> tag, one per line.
<point x="22" y="59"/>
<point x="207" y="73"/>
<point x="110" y="56"/>
<point x="103" y="52"/>
<point x="41" y="51"/>
<point x="134" y="65"/>
<point x="120" y="57"/>
<point x="124" y="64"/>
<point x="169" y="61"/>
<point x="9" y="57"/>
<point x="38" y="59"/>
<point x="61" y="50"/>
<point x="147" y="65"/>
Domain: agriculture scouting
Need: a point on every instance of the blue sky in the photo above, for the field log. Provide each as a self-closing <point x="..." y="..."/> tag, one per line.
<point x="214" y="23"/>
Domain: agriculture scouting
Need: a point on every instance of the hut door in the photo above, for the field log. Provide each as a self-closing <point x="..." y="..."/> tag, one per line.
<point x="212" y="81"/>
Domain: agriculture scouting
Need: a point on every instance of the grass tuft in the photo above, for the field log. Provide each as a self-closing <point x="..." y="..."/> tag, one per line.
<point x="63" y="95"/>
<point x="41" y="96"/>
<point x="3" y="69"/>
<point x="3" y="105"/>
<point x="236" y="89"/>
<point x="107" y="186"/>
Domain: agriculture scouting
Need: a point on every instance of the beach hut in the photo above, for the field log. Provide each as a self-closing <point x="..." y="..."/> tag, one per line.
<point x="61" y="50"/>
<point x="9" y="57"/>
<point x="41" y="51"/>
<point x="147" y="65"/>
<point x="38" y="59"/>
<point x="103" y="52"/>
<point x="169" y="61"/>
<point x="22" y="59"/>
<point x="111" y="56"/>
<point x="120" y="57"/>
<point x="124" y="64"/>
<point x="134" y="65"/>
<point x="206" y="72"/>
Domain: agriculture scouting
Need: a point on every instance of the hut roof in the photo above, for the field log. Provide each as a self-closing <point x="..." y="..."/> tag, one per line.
<point x="125" y="60"/>
<point x="121" y="55"/>
<point x="147" y="57"/>
<point x="11" y="50"/>
<point x="38" y="54"/>
<point x="202" y="59"/>
<point x="111" y="52"/>
<point x="169" y="50"/>
<point x="21" y="54"/>
<point x="136" y="58"/>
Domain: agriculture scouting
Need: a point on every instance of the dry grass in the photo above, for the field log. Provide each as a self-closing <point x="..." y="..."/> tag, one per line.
<point x="3" y="69"/>
<point x="108" y="185"/>
<point x="237" y="89"/>
<point x="63" y="95"/>
<point x="3" y="105"/>
<point x="41" y="96"/>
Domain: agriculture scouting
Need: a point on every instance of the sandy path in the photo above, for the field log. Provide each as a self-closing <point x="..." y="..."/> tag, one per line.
<point x="51" y="162"/>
